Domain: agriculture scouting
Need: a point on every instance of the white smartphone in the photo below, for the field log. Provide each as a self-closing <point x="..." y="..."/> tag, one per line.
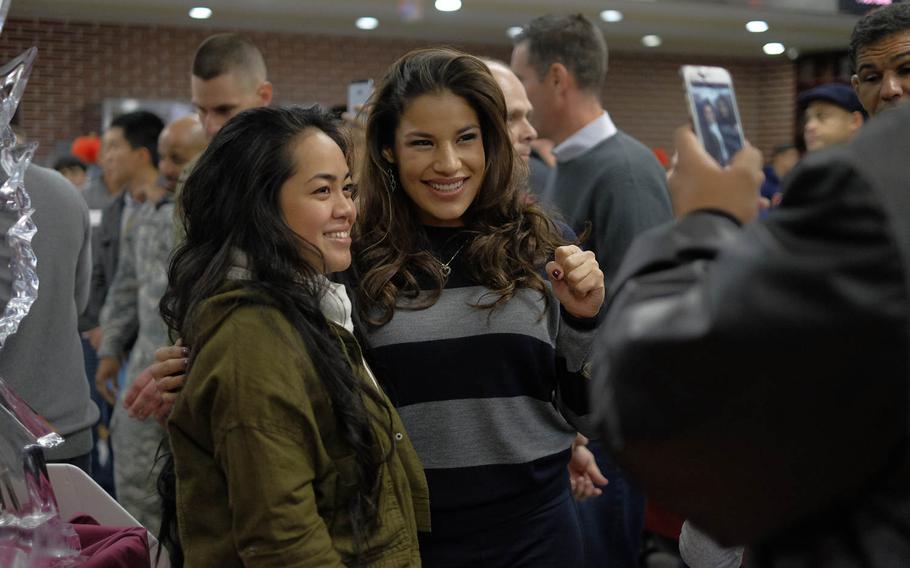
<point x="712" y="106"/>
<point x="358" y="94"/>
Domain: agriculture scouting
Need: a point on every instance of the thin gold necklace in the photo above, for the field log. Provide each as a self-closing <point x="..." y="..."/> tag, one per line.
<point x="446" y="269"/>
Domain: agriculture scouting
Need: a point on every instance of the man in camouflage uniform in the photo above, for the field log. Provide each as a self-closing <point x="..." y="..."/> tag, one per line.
<point x="131" y="305"/>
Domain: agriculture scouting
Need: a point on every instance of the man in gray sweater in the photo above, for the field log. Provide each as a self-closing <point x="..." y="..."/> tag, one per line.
<point x="605" y="180"/>
<point x="603" y="176"/>
<point x="43" y="361"/>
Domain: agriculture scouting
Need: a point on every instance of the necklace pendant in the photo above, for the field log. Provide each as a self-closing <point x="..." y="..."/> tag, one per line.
<point x="446" y="270"/>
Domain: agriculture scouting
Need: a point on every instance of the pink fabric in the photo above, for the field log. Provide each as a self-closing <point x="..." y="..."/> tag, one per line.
<point x="111" y="547"/>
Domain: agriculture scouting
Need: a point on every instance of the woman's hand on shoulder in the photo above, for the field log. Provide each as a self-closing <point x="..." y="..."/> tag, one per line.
<point x="578" y="282"/>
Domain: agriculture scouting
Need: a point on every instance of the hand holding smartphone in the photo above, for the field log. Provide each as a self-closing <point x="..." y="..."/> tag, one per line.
<point x="712" y="106"/>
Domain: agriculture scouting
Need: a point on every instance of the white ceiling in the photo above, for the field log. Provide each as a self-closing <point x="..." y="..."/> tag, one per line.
<point x="686" y="26"/>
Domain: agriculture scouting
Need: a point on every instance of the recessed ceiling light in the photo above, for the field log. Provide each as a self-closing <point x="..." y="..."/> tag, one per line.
<point x="200" y="13"/>
<point x="448" y="5"/>
<point x="367" y="23"/>
<point x="773" y="48"/>
<point x="611" y="16"/>
<point x="651" y="41"/>
<point x="514" y="31"/>
<point x="792" y="53"/>
<point x="757" y="26"/>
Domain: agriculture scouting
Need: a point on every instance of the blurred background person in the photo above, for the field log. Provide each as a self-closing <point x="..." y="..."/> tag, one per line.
<point x="73" y="169"/>
<point x="42" y="361"/>
<point x="128" y="158"/>
<point x="832" y="114"/>
<point x="606" y="184"/>
<point x="783" y="159"/>
<point x="585" y="476"/>
<point x="131" y="310"/>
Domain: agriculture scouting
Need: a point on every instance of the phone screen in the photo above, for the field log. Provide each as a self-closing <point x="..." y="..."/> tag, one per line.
<point x="716" y="119"/>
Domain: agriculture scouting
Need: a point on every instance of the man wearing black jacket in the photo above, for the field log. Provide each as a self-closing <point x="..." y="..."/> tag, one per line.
<point x="799" y="452"/>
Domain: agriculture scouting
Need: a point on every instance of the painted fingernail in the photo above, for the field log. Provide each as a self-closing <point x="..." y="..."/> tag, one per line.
<point x="557" y="273"/>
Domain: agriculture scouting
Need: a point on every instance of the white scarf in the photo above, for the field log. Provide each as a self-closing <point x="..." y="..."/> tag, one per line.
<point x="333" y="298"/>
<point x="335" y="304"/>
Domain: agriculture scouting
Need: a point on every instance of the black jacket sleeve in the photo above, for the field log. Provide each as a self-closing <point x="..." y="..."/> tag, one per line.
<point x="749" y="377"/>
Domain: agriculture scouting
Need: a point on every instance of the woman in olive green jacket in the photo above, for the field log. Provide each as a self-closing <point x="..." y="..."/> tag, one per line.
<point x="285" y="450"/>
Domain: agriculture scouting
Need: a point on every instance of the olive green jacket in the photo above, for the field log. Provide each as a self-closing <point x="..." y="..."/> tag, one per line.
<point x="262" y="473"/>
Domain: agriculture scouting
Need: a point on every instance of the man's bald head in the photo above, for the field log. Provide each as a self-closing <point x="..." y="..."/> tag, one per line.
<point x="179" y="142"/>
<point x="518" y="107"/>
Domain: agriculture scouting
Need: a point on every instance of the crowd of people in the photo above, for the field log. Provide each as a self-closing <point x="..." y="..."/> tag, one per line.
<point x="479" y="325"/>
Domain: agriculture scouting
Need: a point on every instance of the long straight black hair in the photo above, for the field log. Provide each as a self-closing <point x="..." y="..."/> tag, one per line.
<point x="230" y="203"/>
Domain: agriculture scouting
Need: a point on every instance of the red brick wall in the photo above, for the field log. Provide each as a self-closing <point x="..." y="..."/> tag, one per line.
<point x="644" y="96"/>
<point x="81" y="64"/>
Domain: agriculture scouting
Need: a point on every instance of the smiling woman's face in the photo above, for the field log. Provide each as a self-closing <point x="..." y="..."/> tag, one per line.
<point x="440" y="157"/>
<point x="317" y="202"/>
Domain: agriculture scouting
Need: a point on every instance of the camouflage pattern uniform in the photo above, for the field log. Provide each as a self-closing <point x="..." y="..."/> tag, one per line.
<point x="131" y="306"/>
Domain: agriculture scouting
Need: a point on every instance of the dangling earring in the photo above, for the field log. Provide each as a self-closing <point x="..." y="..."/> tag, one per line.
<point x="390" y="176"/>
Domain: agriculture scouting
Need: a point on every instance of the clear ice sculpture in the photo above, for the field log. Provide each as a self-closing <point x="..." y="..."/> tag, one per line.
<point x="32" y="534"/>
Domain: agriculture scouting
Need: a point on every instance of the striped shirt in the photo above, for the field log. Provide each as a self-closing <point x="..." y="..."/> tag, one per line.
<point x="486" y="396"/>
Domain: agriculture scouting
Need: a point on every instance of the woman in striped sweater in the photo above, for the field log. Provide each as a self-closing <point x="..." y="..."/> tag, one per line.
<point x="480" y="315"/>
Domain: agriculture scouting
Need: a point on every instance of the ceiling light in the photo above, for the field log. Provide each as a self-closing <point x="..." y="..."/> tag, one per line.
<point x="773" y="48"/>
<point x="200" y="13"/>
<point x="757" y="26"/>
<point x="611" y="16"/>
<point x="367" y="23"/>
<point x="651" y="41"/>
<point x="448" y="5"/>
<point x="792" y="53"/>
<point x="514" y="31"/>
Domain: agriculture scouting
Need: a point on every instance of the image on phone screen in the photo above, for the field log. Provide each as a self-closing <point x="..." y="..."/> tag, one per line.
<point x="717" y="122"/>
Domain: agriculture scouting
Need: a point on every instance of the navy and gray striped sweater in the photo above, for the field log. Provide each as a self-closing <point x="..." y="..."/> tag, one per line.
<point x="485" y="397"/>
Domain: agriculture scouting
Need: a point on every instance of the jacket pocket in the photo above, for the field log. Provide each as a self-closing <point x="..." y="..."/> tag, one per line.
<point x="390" y="537"/>
<point x="391" y="541"/>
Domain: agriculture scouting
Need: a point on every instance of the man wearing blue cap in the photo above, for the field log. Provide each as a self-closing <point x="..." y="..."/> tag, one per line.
<point x="833" y="114"/>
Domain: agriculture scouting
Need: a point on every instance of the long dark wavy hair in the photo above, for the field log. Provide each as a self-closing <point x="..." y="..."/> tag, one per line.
<point x="231" y="203"/>
<point x="511" y="236"/>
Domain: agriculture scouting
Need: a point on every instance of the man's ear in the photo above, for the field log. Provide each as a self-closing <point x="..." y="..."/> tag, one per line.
<point x="146" y="155"/>
<point x="558" y="76"/>
<point x="854" y="81"/>
<point x="264" y="92"/>
<point x="856" y="120"/>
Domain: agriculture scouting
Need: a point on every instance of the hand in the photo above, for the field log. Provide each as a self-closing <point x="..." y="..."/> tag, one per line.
<point x="577" y="281"/>
<point x="698" y="182"/>
<point x="142" y="399"/>
<point x="106" y="378"/>
<point x="169" y="374"/>
<point x="584" y="475"/>
<point x="94" y="337"/>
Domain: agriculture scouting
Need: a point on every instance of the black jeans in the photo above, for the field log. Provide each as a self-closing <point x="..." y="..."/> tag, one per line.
<point x="547" y="537"/>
